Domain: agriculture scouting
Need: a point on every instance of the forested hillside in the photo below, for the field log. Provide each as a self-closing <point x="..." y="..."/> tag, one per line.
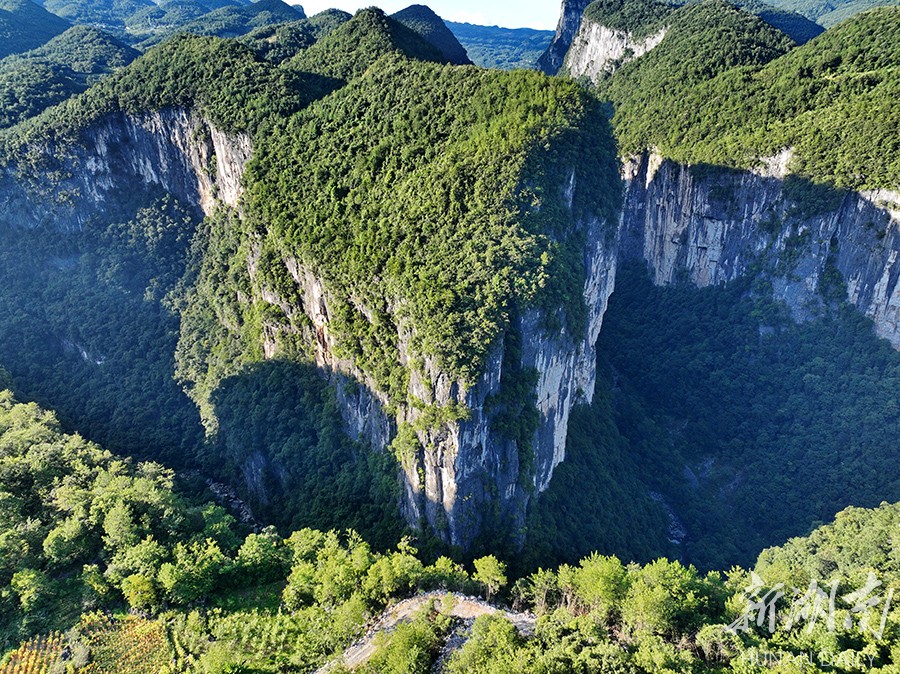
<point x="743" y="95"/>
<point x="66" y="65"/>
<point x="146" y="22"/>
<point x="24" y="26"/>
<point x="151" y="26"/>
<point x="831" y="12"/>
<point x="86" y="531"/>
<point x="280" y="42"/>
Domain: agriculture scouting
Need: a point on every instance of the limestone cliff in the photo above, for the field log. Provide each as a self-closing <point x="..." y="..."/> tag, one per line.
<point x="712" y="225"/>
<point x="569" y="22"/>
<point x="174" y="150"/>
<point x="462" y="477"/>
<point x="597" y="50"/>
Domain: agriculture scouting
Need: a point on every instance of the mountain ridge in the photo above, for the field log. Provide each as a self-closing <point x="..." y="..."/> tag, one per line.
<point x="430" y="26"/>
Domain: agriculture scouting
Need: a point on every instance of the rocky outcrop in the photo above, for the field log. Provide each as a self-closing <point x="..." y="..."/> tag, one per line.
<point x="569" y="22"/>
<point x="597" y="50"/>
<point x="121" y="158"/>
<point x="462" y="476"/>
<point x="712" y="225"/>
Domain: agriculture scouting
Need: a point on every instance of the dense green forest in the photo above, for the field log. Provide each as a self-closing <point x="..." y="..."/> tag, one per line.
<point x="66" y="65"/>
<point x="506" y="48"/>
<point x="350" y="50"/>
<point x="279" y="42"/>
<point x="230" y="21"/>
<point x="743" y="94"/>
<point x="145" y="22"/>
<point x="93" y="317"/>
<point x="429" y="25"/>
<point x="646" y="17"/>
<point x="25" y="26"/>
<point x="830" y="12"/>
<point x="83" y="530"/>
<point x="796" y="26"/>
<point x="109" y="13"/>
<point x="465" y="150"/>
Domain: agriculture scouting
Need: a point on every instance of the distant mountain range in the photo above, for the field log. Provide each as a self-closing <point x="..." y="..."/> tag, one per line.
<point x="507" y="48"/>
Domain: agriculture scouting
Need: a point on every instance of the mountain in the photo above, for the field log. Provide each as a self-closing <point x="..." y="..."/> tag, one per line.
<point x="320" y="278"/>
<point x="439" y="245"/>
<point x="66" y="65"/>
<point x="506" y="48"/>
<point x="796" y="26"/>
<point x="191" y="131"/>
<point x="147" y="22"/>
<point x="803" y="97"/>
<point x="24" y="26"/>
<point x="682" y="46"/>
<point x="106" y="14"/>
<point x="606" y="30"/>
<point x="86" y="51"/>
<point x="346" y="207"/>
<point x="346" y="52"/>
<point x="430" y="26"/>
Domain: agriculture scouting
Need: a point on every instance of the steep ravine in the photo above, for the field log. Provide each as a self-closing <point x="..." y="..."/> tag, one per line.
<point x="705" y="224"/>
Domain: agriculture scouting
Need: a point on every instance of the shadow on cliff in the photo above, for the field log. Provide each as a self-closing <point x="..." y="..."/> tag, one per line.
<point x="747" y="427"/>
<point x="280" y="436"/>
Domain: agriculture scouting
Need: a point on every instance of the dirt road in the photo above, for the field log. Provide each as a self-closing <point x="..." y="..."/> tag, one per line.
<point x="461" y="607"/>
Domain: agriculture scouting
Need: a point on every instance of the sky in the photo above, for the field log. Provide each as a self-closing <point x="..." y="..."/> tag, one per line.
<point x="541" y="14"/>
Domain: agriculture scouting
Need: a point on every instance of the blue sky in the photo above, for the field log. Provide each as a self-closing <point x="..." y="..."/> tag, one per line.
<point x="508" y="13"/>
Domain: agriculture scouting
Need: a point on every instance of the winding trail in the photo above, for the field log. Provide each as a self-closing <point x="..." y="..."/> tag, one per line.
<point x="463" y="607"/>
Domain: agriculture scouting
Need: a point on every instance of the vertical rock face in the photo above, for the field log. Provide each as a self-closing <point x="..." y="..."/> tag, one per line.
<point x="175" y="150"/>
<point x="569" y="22"/>
<point x="597" y="50"/>
<point x="462" y="476"/>
<point x="712" y="225"/>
